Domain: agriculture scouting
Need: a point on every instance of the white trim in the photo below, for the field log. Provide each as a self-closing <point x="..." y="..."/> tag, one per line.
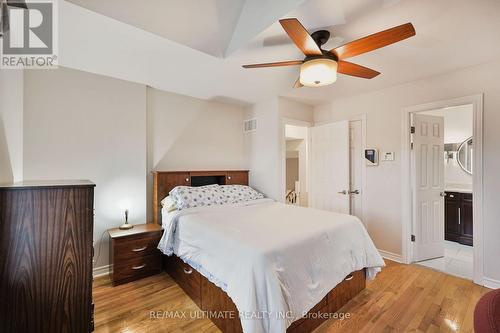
<point x="391" y="256"/>
<point x="477" y="103"/>
<point x="362" y="118"/>
<point x="491" y="283"/>
<point x="101" y="271"/>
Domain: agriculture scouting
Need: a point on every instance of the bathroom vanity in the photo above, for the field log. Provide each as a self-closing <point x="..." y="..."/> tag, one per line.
<point x="458" y="216"/>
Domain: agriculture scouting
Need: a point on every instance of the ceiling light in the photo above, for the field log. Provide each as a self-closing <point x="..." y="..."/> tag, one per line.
<point x="318" y="72"/>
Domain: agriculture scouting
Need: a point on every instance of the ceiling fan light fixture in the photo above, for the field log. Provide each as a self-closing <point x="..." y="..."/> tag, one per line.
<point x="318" y="72"/>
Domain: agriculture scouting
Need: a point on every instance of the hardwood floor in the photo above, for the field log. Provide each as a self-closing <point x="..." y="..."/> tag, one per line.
<point x="403" y="298"/>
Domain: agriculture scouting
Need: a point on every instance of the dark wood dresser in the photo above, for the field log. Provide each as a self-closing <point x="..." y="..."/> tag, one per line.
<point x="46" y="233"/>
<point x="134" y="253"/>
<point x="458" y="219"/>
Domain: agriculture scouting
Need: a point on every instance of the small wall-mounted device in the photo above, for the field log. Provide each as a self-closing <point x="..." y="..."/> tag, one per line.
<point x="387" y="156"/>
<point x="371" y="156"/>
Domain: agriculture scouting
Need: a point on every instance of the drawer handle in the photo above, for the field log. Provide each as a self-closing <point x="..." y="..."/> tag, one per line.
<point x="349" y="277"/>
<point x="188" y="270"/>
<point x="139" y="249"/>
<point x="139" y="267"/>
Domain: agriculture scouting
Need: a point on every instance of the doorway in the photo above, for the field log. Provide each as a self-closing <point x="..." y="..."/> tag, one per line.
<point x="296" y="164"/>
<point x="455" y="217"/>
<point x="442" y="195"/>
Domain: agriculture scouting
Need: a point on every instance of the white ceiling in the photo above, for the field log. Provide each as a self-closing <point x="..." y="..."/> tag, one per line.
<point x="451" y="34"/>
<point x="210" y="26"/>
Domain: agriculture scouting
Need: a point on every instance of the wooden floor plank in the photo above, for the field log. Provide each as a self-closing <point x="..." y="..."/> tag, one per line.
<point x="403" y="298"/>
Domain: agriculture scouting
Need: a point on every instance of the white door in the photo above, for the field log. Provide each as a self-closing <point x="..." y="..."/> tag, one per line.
<point x="356" y="168"/>
<point x="428" y="180"/>
<point x="329" y="175"/>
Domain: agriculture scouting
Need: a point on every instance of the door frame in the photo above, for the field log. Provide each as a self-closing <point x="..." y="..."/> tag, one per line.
<point x="301" y="123"/>
<point x="477" y="178"/>
<point x="362" y="118"/>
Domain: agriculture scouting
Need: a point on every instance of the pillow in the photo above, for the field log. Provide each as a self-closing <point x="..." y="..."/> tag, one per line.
<point x="169" y="204"/>
<point x="189" y="197"/>
<point x="239" y="193"/>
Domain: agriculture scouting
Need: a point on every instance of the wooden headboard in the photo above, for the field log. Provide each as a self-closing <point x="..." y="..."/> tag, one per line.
<point x="165" y="181"/>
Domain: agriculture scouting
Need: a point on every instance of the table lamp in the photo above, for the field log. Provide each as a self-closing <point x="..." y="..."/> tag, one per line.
<point x="126" y="225"/>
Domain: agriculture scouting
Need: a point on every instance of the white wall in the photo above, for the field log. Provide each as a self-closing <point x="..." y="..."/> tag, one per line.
<point x="186" y="133"/>
<point x="384" y="110"/>
<point x="11" y="126"/>
<point x="189" y="133"/>
<point x="81" y="125"/>
<point x="264" y="149"/>
<point x="266" y="146"/>
<point x="84" y="126"/>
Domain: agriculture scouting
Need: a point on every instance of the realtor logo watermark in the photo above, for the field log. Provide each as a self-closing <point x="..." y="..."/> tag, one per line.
<point x="30" y="36"/>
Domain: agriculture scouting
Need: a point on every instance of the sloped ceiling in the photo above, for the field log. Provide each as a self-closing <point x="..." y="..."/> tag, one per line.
<point x="215" y="27"/>
<point x="197" y="48"/>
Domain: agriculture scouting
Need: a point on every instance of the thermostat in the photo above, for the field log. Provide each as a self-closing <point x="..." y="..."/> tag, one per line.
<point x="387" y="156"/>
<point x="371" y="156"/>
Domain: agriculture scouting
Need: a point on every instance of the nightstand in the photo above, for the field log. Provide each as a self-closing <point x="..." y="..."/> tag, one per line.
<point x="133" y="252"/>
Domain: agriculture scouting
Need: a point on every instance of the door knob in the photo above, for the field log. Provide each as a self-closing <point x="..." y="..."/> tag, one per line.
<point x="342" y="192"/>
<point x="354" y="192"/>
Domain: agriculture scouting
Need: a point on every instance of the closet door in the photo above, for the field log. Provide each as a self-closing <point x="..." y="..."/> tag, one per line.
<point x="330" y="167"/>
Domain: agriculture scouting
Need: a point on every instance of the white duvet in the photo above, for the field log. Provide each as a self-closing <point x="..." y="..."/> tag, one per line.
<point x="275" y="261"/>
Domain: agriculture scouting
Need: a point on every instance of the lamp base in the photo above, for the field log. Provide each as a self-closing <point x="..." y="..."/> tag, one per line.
<point x="126" y="226"/>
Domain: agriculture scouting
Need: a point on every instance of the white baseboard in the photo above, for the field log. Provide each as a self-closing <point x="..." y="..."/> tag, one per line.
<point x="101" y="271"/>
<point x="491" y="283"/>
<point x="391" y="256"/>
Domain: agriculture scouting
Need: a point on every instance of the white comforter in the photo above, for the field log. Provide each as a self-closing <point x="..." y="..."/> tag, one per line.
<point x="275" y="261"/>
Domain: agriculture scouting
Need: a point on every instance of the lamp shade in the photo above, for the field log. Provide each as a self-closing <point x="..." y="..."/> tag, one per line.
<point x="318" y="72"/>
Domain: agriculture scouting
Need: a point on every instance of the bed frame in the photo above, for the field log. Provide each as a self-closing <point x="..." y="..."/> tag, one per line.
<point x="211" y="298"/>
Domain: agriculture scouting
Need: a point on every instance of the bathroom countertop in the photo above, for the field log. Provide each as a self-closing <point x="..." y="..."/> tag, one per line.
<point x="458" y="190"/>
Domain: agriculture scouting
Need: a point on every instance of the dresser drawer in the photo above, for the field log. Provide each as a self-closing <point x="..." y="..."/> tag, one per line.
<point x="186" y="277"/>
<point x="136" y="268"/>
<point x="136" y="247"/>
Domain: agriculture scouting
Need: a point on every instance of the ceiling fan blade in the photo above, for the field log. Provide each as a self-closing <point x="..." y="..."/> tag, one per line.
<point x="348" y="68"/>
<point x="297" y="84"/>
<point x="300" y="37"/>
<point x="17" y="3"/>
<point x="275" y="64"/>
<point x="375" y="41"/>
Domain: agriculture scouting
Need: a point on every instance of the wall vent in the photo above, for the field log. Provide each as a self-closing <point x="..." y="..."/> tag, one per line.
<point x="250" y="125"/>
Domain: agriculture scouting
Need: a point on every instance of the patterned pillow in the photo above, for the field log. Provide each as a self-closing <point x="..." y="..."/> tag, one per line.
<point x="238" y="193"/>
<point x="189" y="197"/>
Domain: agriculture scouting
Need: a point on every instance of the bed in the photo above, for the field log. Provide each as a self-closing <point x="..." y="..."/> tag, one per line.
<point x="262" y="266"/>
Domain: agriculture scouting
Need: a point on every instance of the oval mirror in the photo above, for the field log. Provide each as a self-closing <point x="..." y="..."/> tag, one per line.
<point x="464" y="155"/>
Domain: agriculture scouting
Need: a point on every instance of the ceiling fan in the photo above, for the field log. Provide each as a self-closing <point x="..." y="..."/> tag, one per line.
<point x="320" y="67"/>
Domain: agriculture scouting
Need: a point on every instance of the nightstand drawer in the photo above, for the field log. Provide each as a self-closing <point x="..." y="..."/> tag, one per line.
<point x="135" y="247"/>
<point x="136" y="268"/>
<point x="134" y="253"/>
